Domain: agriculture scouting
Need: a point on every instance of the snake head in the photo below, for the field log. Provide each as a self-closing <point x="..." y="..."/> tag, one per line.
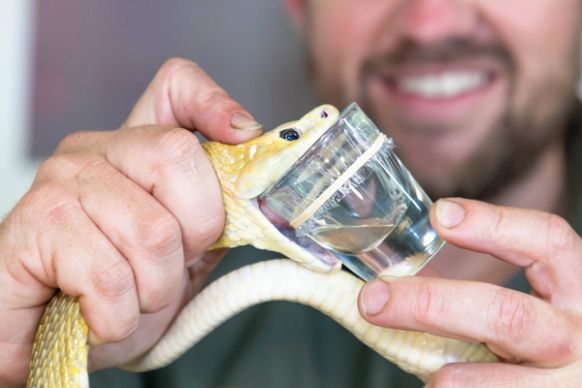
<point x="270" y="156"/>
<point x="266" y="159"/>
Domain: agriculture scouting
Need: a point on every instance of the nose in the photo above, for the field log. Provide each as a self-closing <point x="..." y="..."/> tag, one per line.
<point x="429" y="21"/>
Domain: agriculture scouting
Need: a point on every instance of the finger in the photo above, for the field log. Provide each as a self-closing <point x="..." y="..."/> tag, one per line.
<point x="173" y="167"/>
<point x="514" y="325"/>
<point x="544" y="243"/>
<point x="143" y="231"/>
<point x="89" y="142"/>
<point x="183" y="95"/>
<point x="200" y="270"/>
<point x="496" y="375"/>
<point x="78" y="259"/>
<point x="151" y="328"/>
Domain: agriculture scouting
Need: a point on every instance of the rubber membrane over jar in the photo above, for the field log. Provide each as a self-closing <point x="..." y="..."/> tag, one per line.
<point x="352" y="196"/>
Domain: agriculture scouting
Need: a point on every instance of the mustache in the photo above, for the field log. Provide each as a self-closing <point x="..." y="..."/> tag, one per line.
<point x="447" y="51"/>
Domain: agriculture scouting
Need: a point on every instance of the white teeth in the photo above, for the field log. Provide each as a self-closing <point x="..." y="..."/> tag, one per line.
<point x="445" y="85"/>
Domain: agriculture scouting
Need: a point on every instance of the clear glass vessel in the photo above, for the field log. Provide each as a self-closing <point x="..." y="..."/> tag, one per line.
<point x="352" y="196"/>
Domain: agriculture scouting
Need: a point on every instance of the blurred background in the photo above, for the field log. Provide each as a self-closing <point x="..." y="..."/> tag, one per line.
<point x="68" y="65"/>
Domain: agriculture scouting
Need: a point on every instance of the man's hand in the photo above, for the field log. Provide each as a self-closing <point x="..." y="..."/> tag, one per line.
<point x="121" y="219"/>
<point x="538" y="336"/>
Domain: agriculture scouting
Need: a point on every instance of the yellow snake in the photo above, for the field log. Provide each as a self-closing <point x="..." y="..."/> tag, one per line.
<point x="59" y="356"/>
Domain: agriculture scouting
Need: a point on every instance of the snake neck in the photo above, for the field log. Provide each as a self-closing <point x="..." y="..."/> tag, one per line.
<point x="228" y="162"/>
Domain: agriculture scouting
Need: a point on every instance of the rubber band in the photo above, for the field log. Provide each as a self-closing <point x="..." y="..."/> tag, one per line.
<point x="343" y="178"/>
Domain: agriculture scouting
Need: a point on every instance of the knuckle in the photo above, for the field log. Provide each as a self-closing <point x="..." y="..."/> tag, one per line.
<point x="160" y="237"/>
<point x="74" y="141"/>
<point x="91" y="168"/>
<point x="120" y="328"/>
<point x="498" y="230"/>
<point x="126" y="326"/>
<point x="58" y="166"/>
<point x="563" y="342"/>
<point x="178" y="147"/>
<point x="53" y="201"/>
<point x="560" y="236"/>
<point x="114" y="281"/>
<point x="428" y="307"/>
<point x="154" y="302"/>
<point x="72" y="167"/>
<point x="158" y="295"/>
<point x="510" y="316"/>
<point x="162" y="250"/>
<point x="174" y="65"/>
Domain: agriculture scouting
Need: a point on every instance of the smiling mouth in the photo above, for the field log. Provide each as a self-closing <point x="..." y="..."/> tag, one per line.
<point x="442" y="86"/>
<point x="446" y="85"/>
<point x="434" y="96"/>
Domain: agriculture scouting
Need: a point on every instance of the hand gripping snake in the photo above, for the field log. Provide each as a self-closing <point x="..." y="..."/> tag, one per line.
<point x="60" y="350"/>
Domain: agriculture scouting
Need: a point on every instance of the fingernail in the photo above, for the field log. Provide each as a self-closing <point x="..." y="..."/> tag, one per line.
<point x="449" y="214"/>
<point x="387" y="278"/>
<point x="93" y="340"/>
<point x="375" y="297"/>
<point x="244" y="122"/>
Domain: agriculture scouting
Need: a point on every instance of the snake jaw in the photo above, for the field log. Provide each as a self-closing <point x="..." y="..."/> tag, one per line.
<point x="279" y="237"/>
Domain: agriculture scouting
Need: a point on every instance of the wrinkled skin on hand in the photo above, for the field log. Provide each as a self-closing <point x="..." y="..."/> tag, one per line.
<point x="538" y="336"/>
<point x="122" y="219"/>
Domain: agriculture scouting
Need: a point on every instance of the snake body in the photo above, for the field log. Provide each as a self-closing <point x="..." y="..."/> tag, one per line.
<point x="59" y="357"/>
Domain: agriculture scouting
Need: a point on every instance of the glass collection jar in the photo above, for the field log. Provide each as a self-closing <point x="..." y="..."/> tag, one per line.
<point x="351" y="195"/>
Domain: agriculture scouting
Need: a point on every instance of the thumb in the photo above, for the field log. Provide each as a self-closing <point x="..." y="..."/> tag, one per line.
<point x="183" y="95"/>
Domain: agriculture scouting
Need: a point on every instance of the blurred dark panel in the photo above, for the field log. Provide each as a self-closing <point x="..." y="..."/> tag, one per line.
<point x="94" y="58"/>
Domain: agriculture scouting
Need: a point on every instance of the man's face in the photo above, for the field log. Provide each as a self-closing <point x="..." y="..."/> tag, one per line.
<point x="472" y="91"/>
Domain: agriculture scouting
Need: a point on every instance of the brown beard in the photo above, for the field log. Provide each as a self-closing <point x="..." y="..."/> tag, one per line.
<point x="508" y="154"/>
<point x="511" y="149"/>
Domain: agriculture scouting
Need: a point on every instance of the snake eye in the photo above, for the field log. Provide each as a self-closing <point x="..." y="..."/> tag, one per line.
<point x="289" y="134"/>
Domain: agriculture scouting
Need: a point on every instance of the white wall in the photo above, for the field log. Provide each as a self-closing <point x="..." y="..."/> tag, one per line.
<point x="16" y="171"/>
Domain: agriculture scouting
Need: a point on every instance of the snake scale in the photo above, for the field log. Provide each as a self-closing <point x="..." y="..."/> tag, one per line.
<point x="60" y="350"/>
